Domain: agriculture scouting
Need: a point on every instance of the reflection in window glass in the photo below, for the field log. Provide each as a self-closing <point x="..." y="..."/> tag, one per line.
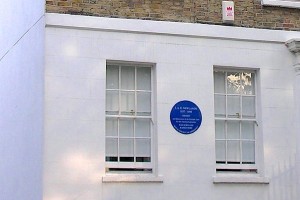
<point x="247" y="83"/>
<point x="233" y="83"/>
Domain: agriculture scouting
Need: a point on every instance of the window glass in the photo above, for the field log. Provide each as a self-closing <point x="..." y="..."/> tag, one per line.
<point x="233" y="106"/>
<point x="248" y="130"/>
<point x="219" y="82"/>
<point x="142" y="127"/>
<point x="248" y="151"/>
<point x="248" y="107"/>
<point x="233" y="83"/>
<point x="112" y="80"/>
<point x="111" y="147"/>
<point x="143" y="103"/>
<point x="235" y="118"/>
<point x="112" y="102"/>
<point x="143" y="147"/>
<point x="220" y="105"/>
<point x="247" y="83"/>
<point x="220" y="129"/>
<point x="126" y="147"/>
<point x="233" y="130"/>
<point x="220" y="151"/>
<point x="127" y="103"/>
<point x="129" y="120"/>
<point x="126" y="128"/>
<point x="111" y="127"/>
<point x="127" y="78"/>
<point x="144" y="78"/>
<point x="233" y="151"/>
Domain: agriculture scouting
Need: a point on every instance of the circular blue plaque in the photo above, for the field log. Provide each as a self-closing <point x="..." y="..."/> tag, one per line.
<point x="185" y="117"/>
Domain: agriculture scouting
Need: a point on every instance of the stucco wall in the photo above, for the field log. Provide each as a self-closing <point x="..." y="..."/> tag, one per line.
<point x="21" y="99"/>
<point x="248" y="13"/>
<point x="76" y="52"/>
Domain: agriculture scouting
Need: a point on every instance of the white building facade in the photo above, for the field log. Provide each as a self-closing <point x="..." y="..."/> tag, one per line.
<point x="111" y="86"/>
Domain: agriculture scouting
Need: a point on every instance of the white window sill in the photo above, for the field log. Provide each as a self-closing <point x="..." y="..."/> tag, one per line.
<point x="240" y="178"/>
<point x="282" y="3"/>
<point x="131" y="178"/>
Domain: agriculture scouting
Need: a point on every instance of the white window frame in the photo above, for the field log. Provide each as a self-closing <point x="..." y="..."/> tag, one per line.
<point x="134" y="167"/>
<point x="234" y="173"/>
<point x="282" y="3"/>
<point x="250" y="168"/>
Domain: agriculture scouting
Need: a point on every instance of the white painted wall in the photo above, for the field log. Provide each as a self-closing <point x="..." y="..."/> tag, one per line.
<point x="21" y="98"/>
<point x="184" y="55"/>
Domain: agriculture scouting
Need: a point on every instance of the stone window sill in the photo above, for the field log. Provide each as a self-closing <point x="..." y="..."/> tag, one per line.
<point x="131" y="178"/>
<point x="281" y="3"/>
<point x="240" y="178"/>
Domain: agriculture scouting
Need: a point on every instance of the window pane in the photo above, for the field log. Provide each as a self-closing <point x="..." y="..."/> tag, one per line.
<point x="126" y="147"/>
<point x="219" y="82"/>
<point x="143" y="103"/>
<point x="233" y="130"/>
<point x="220" y="151"/>
<point x="142" y="128"/>
<point x="127" y="78"/>
<point x="127" y="159"/>
<point x="233" y="106"/>
<point x="143" y="147"/>
<point x="112" y="102"/>
<point x="111" y="127"/>
<point x="248" y="130"/>
<point x="111" y="146"/>
<point x="127" y="103"/>
<point x="220" y="105"/>
<point x="248" y="83"/>
<point x="248" y="151"/>
<point x="112" y="77"/>
<point x="220" y="129"/>
<point x="143" y="159"/>
<point x="233" y="151"/>
<point x="126" y="128"/>
<point x="144" y="78"/>
<point x="248" y="107"/>
<point x="233" y="82"/>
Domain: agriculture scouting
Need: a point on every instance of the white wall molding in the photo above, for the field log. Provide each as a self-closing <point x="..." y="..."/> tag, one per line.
<point x="294" y="46"/>
<point x="282" y="3"/>
<point x="168" y="28"/>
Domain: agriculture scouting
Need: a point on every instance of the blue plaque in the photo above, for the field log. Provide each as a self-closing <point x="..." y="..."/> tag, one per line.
<point x="185" y="117"/>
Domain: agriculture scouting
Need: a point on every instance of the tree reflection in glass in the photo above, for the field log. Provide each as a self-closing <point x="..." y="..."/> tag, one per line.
<point x="240" y="83"/>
